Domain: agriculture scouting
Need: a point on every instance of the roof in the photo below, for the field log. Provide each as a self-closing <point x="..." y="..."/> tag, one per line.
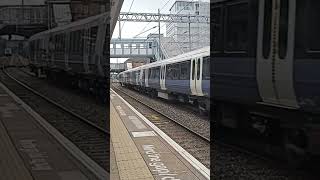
<point x="181" y="1"/>
<point x="71" y="25"/>
<point x="137" y="60"/>
<point x="173" y="59"/>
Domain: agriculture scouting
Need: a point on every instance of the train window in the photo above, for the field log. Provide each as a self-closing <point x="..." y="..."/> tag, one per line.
<point x="176" y="71"/>
<point x="313" y="26"/>
<point x="93" y="38"/>
<point x="76" y="40"/>
<point x="152" y="73"/>
<point x="56" y="42"/>
<point x="60" y="42"/>
<point x="206" y="68"/>
<point x="217" y="29"/>
<point x="198" y="69"/>
<point x="307" y="40"/>
<point x="169" y="72"/>
<point x="106" y="44"/>
<point x="173" y="71"/>
<point x="283" y="29"/>
<point x="73" y="42"/>
<point x="149" y="73"/>
<point x="236" y="28"/>
<point x="143" y="75"/>
<point x="267" y="29"/>
<point x="185" y="70"/>
<point x="157" y="73"/>
<point x="193" y="68"/>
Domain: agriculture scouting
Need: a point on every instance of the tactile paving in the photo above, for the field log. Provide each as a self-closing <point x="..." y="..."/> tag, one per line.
<point x="129" y="161"/>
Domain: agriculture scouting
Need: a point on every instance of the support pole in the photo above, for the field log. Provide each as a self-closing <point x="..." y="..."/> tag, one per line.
<point x="189" y="34"/>
<point x="119" y="29"/>
<point x="159" y="34"/>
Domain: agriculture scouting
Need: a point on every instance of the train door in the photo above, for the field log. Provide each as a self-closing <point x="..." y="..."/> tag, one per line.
<point x="196" y="76"/>
<point x="163" y="77"/>
<point x="86" y="51"/>
<point x="275" y="52"/>
<point x="141" y="77"/>
<point x="47" y="51"/>
<point x="146" y="79"/>
<point x="67" y="50"/>
<point x="137" y="77"/>
<point x="99" y="51"/>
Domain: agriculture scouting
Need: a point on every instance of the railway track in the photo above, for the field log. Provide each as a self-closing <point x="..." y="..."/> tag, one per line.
<point x="196" y="144"/>
<point x="89" y="137"/>
<point x="86" y="106"/>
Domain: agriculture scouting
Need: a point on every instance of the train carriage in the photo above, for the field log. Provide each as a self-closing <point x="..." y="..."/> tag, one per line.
<point x="76" y="54"/>
<point x="185" y="77"/>
<point x="265" y="69"/>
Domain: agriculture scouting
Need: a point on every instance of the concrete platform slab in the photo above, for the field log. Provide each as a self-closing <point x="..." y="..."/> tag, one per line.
<point x="29" y="151"/>
<point x="158" y="151"/>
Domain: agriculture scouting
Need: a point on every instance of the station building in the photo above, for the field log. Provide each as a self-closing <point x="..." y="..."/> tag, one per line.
<point x="199" y="32"/>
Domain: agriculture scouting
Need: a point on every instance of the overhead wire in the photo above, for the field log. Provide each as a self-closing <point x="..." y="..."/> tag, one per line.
<point x="128" y="12"/>
<point x="150" y="22"/>
<point x="176" y="13"/>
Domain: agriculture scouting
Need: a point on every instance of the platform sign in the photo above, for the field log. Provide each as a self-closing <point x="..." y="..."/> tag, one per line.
<point x="62" y="14"/>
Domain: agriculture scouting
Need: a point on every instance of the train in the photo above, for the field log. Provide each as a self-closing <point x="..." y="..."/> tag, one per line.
<point x="185" y="78"/>
<point x="265" y="72"/>
<point x="75" y="54"/>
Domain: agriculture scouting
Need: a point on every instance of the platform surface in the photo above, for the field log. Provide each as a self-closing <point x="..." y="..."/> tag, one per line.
<point x="28" y="151"/>
<point x="141" y="152"/>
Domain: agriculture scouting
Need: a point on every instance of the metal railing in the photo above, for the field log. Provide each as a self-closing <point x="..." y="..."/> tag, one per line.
<point x="154" y="17"/>
<point x="126" y="48"/>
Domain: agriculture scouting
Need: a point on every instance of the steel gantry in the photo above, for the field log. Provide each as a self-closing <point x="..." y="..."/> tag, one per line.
<point x="154" y="17"/>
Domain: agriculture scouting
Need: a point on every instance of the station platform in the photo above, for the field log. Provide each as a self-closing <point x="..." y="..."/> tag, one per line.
<point x="30" y="150"/>
<point x="140" y="150"/>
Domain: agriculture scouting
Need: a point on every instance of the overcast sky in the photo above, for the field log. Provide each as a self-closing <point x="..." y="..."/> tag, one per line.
<point x="131" y="29"/>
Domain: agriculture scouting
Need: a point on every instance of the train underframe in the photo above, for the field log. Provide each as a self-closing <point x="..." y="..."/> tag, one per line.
<point x="203" y="103"/>
<point x="296" y="132"/>
<point x="88" y="83"/>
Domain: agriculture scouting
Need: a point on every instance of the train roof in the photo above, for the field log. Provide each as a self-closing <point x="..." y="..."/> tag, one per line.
<point x="179" y="58"/>
<point x="72" y="26"/>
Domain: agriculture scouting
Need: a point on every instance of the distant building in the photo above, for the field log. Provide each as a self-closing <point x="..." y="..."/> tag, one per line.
<point x="66" y="11"/>
<point x="200" y="32"/>
<point x="84" y="8"/>
<point x="135" y="62"/>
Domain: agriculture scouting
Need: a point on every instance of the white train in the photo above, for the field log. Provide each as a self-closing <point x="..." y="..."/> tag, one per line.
<point x="76" y="54"/>
<point x="185" y="77"/>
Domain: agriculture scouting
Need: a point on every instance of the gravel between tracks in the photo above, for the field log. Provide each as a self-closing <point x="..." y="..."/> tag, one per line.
<point x="232" y="164"/>
<point x="189" y="118"/>
<point x="81" y="104"/>
<point x="91" y="141"/>
<point x="228" y="163"/>
<point x="196" y="146"/>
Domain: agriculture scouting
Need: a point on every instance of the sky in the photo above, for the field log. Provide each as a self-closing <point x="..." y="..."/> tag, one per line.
<point x="131" y="29"/>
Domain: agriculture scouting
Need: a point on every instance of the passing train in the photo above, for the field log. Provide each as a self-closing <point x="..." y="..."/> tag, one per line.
<point x="185" y="78"/>
<point x="75" y="54"/>
<point x="265" y="71"/>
